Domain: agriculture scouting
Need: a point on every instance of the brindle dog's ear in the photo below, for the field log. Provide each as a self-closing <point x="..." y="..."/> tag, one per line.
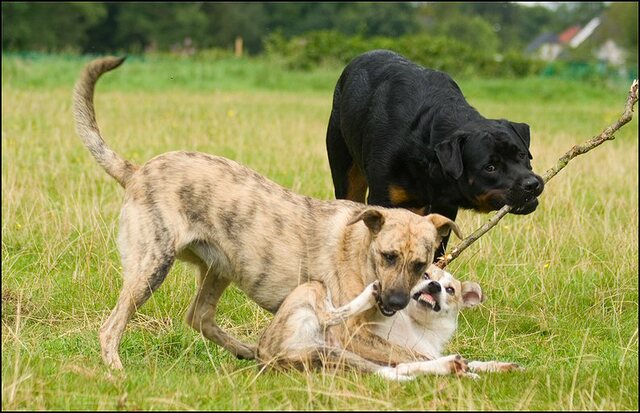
<point x="449" y="154"/>
<point x="372" y="218"/>
<point x="471" y="294"/>
<point x="444" y="225"/>
<point x="523" y="132"/>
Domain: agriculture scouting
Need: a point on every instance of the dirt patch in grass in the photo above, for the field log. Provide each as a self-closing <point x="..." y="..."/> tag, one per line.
<point x="14" y="304"/>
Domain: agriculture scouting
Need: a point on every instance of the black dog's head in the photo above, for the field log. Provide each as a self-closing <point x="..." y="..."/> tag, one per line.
<point x="490" y="162"/>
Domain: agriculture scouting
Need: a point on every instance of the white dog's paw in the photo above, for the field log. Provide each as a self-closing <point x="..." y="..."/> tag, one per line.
<point x="508" y="366"/>
<point x="494" y="366"/>
<point x="472" y="376"/>
<point x="374" y="288"/>
<point x="390" y="373"/>
<point x="455" y="364"/>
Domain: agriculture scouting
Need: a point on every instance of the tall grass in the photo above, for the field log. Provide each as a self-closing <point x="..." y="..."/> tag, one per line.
<point x="561" y="283"/>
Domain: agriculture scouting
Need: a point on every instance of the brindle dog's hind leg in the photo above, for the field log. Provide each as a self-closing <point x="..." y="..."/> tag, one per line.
<point x="201" y="314"/>
<point x="143" y="274"/>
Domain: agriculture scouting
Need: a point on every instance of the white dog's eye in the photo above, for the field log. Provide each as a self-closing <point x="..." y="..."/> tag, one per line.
<point x="426" y="276"/>
<point x="450" y="290"/>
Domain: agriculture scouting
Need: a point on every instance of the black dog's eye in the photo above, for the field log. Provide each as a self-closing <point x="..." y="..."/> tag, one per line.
<point x="522" y="156"/>
<point x="390" y="257"/>
<point x="490" y="168"/>
<point x="450" y="290"/>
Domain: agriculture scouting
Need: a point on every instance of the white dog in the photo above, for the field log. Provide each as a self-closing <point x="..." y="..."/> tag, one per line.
<point x="429" y="321"/>
<point x="425" y="327"/>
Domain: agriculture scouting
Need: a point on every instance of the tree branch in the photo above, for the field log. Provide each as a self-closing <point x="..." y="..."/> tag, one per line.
<point x="606" y="135"/>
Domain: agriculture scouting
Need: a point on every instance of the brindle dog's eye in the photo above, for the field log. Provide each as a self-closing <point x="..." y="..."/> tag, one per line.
<point x="418" y="267"/>
<point x="450" y="290"/>
<point x="390" y="257"/>
<point x="490" y="168"/>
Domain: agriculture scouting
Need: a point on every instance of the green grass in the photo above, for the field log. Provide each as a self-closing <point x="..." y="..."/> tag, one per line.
<point x="561" y="283"/>
<point x="159" y="73"/>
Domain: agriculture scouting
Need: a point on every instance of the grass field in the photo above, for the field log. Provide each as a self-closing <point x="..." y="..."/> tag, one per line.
<point x="561" y="283"/>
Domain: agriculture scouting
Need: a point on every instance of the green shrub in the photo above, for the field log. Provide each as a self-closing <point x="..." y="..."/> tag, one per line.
<point x="320" y="48"/>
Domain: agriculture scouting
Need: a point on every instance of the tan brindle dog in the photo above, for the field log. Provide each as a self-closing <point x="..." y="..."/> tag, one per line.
<point x="237" y="226"/>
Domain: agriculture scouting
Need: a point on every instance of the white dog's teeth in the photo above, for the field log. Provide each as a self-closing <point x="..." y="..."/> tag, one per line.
<point x="427" y="298"/>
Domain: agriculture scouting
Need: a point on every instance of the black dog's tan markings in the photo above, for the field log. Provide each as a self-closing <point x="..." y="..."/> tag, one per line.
<point x="421" y="145"/>
<point x="398" y="195"/>
<point x="486" y="202"/>
<point x="357" y="184"/>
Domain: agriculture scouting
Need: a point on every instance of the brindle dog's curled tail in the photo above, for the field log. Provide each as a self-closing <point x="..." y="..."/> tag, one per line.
<point x="87" y="127"/>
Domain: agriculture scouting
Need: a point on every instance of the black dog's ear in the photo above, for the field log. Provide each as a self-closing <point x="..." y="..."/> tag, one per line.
<point x="522" y="130"/>
<point x="449" y="154"/>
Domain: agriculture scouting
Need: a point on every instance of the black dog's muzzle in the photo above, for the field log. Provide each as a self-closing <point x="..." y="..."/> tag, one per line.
<point x="523" y="197"/>
<point x="525" y="209"/>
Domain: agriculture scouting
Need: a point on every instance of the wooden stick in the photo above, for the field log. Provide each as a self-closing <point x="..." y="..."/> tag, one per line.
<point x="606" y="135"/>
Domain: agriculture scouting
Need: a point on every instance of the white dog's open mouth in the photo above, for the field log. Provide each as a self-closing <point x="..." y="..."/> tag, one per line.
<point x="427" y="300"/>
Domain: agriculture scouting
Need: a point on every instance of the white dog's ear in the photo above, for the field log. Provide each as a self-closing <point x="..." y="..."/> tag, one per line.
<point x="471" y="294"/>
<point x="372" y="218"/>
<point x="444" y="225"/>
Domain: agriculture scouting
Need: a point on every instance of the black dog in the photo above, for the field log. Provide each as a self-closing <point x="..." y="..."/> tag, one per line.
<point x="409" y="135"/>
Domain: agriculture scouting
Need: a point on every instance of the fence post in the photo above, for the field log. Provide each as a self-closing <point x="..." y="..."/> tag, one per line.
<point x="238" y="47"/>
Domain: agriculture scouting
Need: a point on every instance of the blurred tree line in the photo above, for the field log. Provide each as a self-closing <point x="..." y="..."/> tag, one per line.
<point x="133" y="27"/>
<point x="101" y="27"/>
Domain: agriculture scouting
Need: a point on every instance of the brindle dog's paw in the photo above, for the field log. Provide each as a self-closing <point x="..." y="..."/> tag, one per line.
<point x="246" y="352"/>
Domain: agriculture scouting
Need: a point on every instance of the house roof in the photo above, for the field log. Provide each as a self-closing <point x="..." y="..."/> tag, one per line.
<point x="540" y="40"/>
<point x="572" y="36"/>
<point x="566" y="36"/>
<point x="585" y="32"/>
